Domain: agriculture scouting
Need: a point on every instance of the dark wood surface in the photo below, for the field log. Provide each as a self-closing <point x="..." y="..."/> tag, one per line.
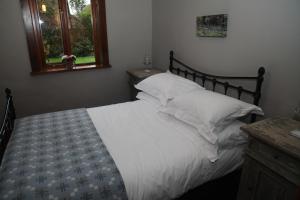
<point x="63" y="70"/>
<point x="35" y="43"/>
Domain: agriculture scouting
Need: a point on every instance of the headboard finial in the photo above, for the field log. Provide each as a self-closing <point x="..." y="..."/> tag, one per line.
<point x="261" y="71"/>
<point x="260" y="79"/>
<point x="8" y="92"/>
<point x="172" y="53"/>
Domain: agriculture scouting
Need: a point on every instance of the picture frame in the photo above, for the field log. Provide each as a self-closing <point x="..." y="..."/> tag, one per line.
<point x="212" y="26"/>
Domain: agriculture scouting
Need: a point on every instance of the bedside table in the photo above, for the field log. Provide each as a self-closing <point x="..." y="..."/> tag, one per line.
<point x="272" y="165"/>
<point x="137" y="75"/>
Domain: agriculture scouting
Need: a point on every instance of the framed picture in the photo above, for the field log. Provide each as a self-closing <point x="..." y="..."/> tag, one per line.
<point x="212" y="26"/>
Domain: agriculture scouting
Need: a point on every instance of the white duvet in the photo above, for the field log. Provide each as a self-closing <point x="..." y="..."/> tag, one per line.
<point x="158" y="157"/>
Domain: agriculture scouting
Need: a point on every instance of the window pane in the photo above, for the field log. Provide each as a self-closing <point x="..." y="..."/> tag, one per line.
<point x="51" y="30"/>
<point x="81" y="30"/>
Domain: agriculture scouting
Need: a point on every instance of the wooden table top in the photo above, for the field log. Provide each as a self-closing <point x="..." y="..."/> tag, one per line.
<point x="276" y="132"/>
<point x="142" y="73"/>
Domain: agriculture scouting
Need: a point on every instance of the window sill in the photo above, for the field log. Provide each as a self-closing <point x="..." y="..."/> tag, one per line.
<point x="77" y="68"/>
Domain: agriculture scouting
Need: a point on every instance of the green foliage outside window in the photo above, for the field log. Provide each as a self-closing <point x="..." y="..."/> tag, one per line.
<point x="81" y="30"/>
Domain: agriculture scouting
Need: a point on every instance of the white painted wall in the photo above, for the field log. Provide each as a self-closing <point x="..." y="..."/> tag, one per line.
<point x="130" y="38"/>
<point x="260" y="33"/>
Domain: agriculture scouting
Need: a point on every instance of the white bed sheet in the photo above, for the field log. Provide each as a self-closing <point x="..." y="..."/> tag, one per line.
<point x="158" y="157"/>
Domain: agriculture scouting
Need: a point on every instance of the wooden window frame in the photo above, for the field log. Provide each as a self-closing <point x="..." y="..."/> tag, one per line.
<point x="34" y="37"/>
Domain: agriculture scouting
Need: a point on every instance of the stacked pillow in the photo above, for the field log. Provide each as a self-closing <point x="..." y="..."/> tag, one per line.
<point x="149" y="98"/>
<point x="210" y="113"/>
<point x="166" y="86"/>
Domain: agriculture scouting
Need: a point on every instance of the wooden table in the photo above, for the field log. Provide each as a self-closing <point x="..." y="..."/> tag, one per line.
<point x="272" y="165"/>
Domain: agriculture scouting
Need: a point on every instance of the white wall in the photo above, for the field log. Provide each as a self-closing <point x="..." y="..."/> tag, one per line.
<point x="260" y="33"/>
<point x="130" y="38"/>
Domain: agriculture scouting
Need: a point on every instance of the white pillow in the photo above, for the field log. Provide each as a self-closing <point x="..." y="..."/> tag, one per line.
<point x="231" y="136"/>
<point x="149" y="98"/>
<point x="166" y="86"/>
<point x="208" y="111"/>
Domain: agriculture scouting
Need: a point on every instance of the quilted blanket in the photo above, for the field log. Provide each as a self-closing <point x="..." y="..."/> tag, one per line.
<point x="59" y="156"/>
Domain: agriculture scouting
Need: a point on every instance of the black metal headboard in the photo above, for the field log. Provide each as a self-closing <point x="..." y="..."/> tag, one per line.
<point x="217" y="80"/>
<point x="8" y="123"/>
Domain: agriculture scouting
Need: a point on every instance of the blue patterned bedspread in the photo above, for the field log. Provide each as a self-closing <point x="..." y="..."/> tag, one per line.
<point x="59" y="156"/>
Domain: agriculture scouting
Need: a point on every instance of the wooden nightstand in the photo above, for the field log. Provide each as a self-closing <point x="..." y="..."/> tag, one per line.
<point x="137" y="75"/>
<point x="272" y="165"/>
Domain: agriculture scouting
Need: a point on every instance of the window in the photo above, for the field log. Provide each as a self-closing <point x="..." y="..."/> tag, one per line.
<point x="66" y="35"/>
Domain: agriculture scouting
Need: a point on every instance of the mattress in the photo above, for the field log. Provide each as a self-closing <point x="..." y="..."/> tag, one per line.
<point x="158" y="157"/>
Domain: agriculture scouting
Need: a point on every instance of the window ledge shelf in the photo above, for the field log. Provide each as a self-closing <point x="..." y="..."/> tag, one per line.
<point x="77" y="68"/>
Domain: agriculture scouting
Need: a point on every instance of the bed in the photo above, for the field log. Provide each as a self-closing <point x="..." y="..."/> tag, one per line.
<point x="121" y="151"/>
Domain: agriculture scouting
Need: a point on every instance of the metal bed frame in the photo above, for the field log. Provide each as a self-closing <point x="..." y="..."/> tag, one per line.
<point x="7" y="125"/>
<point x="218" y="80"/>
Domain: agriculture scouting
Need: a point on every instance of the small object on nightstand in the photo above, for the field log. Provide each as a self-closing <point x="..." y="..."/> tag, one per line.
<point x="297" y="113"/>
<point x="147" y="60"/>
<point x="296" y="133"/>
<point x="272" y="163"/>
<point x="137" y="75"/>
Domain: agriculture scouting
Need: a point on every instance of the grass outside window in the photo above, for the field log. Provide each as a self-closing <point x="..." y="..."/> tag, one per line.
<point x="79" y="60"/>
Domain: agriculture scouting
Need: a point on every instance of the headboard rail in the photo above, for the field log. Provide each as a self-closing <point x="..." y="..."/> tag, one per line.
<point x="7" y="125"/>
<point x="218" y="80"/>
